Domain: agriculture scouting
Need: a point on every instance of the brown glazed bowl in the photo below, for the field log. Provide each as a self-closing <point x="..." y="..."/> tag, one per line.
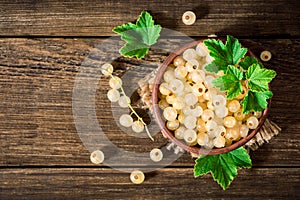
<point x="161" y="122"/>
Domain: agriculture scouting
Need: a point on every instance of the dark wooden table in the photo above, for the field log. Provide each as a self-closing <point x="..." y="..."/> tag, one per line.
<point x="42" y="47"/>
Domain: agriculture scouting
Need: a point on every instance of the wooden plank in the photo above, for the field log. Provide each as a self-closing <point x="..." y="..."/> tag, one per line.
<point x="175" y="183"/>
<point x="36" y="120"/>
<point x="97" y="18"/>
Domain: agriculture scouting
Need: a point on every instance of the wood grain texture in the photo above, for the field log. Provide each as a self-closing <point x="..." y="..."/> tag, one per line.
<point x="36" y="120"/>
<point x="91" y="183"/>
<point x="97" y="18"/>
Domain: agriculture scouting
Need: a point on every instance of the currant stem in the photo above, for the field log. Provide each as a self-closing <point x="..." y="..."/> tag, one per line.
<point x="131" y="108"/>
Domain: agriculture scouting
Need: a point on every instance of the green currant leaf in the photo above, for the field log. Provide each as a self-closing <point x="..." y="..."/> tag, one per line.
<point x="247" y="62"/>
<point x="224" y="55"/>
<point x="230" y="82"/>
<point x="138" y="37"/>
<point x="259" y="78"/>
<point x="212" y="67"/>
<point x="255" y="101"/>
<point x="223" y="167"/>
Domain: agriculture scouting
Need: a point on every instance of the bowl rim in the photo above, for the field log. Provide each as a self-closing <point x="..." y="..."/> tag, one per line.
<point x="161" y="122"/>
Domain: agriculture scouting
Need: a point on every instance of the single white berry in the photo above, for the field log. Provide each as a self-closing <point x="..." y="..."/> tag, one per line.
<point x="156" y="155"/>
<point x="124" y="101"/>
<point x="190" y="122"/>
<point x="137" y="177"/>
<point x="107" y="69"/>
<point x="188" y="18"/>
<point x="265" y="56"/>
<point x="137" y="126"/>
<point x="97" y="157"/>
<point x="234" y="106"/>
<point x="126" y="120"/>
<point x="173" y="125"/>
<point x="190" y="136"/>
<point x="252" y="122"/>
<point x="170" y="113"/>
<point x="180" y="132"/>
<point x="115" y="82"/>
<point x="113" y="95"/>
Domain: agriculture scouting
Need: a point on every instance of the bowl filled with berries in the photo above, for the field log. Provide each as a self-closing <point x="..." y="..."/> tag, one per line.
<point x="211" y="98"/>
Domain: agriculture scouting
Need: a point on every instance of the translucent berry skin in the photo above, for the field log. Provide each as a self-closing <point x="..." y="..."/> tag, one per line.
<point x="107" y="69"/>
<point x="169" y="76"/>
<point x="164" y="89"/>
<point x="242" y="94"/>
<point x="126" y="120"/>
<point x="97" y="157"/>
<point x="180" y="132"/>
<point x="221" y="112"/>
<point x="207" y="115"/>
<point x="113" y="95"/>
<point x="211" y="126"/>
<point x="176" y="86"/>
<point x="239" y="115"/>
<point x="229" y="122"/>
<point x="219" y="142"/>
<point x="234" y="106"/>
<point x="180" y="72"/>
<point x="198" y="89"/>
<point x="201" y="50"/>
<point x="190" y="136"/>
<point x="188" y="18"/>
<point x="252" y="122"/>
<point x="244" y="130"/>
<point x="201" y="126"/>
<point x="171" y="99"/>
<point x="219" y="101"/>
<point x="124" y="101"/>
<point x="265" y="56"/>
<point x="115" y="82"/>
<point x="190" y="122"/>
<point x="163" y="104"/>
<point x="190" y="99"/>
<point x="170" y="113"/>
<point x="156" y="155"/>
<point x="179" y="61"/>
<point x="137" y="126"/>
<point x="173" y="125"/>
<point x="232" y="134"/>
<point x="189" y="54"/>
<point x="202" y="139"/>
<point x="137" y="177"/>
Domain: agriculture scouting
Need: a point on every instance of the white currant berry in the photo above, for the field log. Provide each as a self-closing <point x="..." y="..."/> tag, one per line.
<point x="190" y="136"/>
<point x="201" y="126"/>
<point x="97" y="157"/>
<point x="244" y="130"/>
<point x="107" y="69"/>
<point x="124" y="101"/>
<point x="218" y="100"/>
<point x="179" y="132"/>
<point x="181" y="118"/>
<point x="221" y="112"/>
<point x="188" y="18"/>
<point x="189" y="54"/>
<point x="201" y="50"/>
<point x="170" y="113"/>
<point x="202" y="139"/>
<point x="180" y="72"/>
<point x="190" y="122"/>
<point x="178" y="104"/>
<point x="265" y="56"/>
<point x="137" y="126"/>
<point x="221" y="131"/>
<point x="233" y="133"/>
<point x="115" y="82"/>
<point x="196" y="76"/>
<point x="126" y="120"/>
<point x="137" y="177"/>
<point x="239" y="115"/>
<point x="173" y="125"/>
<point x="176" y="86"/>
<point x="229" y="122"/>
<point x="219" y="142"/>
<point x="211" y="126"/>
<point x="162" y="104"/>
<point x="257" y="114"/>
<point x="179" y="61"/>
<point x="209" y="59"/>
<point x="252" y="122"/>
<point x="171" y="99"/>
<point x="164" y="89"/>
<point x="197" y="111"/>
<point x="190" y="99"/>
<point x="113" y="95"/>
<point x="234" y="106"/>
<point x="242" y="94"/>
<point x="207" y="115"/>
<point x="210" y="105"/>
<point x="198" y="89"/>
<point x="156" y="155"/>
<point x="169" y="76"/>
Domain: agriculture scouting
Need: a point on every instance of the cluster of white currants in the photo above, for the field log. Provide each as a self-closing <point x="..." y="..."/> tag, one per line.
<point x="197" y="112"/>
<point x="117" y="94"/>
